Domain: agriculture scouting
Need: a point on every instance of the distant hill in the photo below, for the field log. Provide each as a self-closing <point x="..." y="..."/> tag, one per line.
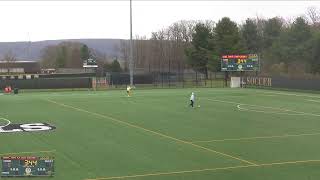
<point x="32" y="50"/>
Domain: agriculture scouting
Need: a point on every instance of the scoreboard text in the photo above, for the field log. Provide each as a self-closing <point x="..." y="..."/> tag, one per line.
<point x="248" y="62"/>
<point x="90" y="63"/>
<point x="27" y="166"/>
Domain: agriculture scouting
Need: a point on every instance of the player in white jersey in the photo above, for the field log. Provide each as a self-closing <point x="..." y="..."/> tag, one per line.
<point x="192" y="99"/>
<point x="128" y="91"/>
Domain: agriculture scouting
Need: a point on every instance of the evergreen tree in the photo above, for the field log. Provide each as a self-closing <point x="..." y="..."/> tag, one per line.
<point x="199" y="53"/>
<point x="315" y="59"/>
<point x="271" y="32"/>
<point x="251" y="37"/>
<point x="85" y="52"/>
<point x="227" y="38"/>
<point x="113" y="67"/>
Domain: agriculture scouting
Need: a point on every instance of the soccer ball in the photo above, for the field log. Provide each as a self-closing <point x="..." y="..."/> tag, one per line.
<point x="198" y="105"/>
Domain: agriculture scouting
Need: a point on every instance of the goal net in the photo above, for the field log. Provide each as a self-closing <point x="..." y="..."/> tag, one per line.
<point x="99" y="83"/>
<point x="235" y="82"/>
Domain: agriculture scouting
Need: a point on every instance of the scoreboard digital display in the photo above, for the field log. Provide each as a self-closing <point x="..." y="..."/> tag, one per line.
<point x="90" y="63"/>
<point x="27" y="166"/>
<point x="249" y="62"/>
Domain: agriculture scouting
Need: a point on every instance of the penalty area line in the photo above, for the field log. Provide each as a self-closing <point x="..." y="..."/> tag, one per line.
<point x="171" y="173"/>
<point x="268" y="112"/>
<point x="151" y="131"/>
<point x="253" y="105"/>
<point x="290" y="94"/>
<point x="294" y="113"/>
<point x="258" y="137"/>
<point x="208" y="169"/>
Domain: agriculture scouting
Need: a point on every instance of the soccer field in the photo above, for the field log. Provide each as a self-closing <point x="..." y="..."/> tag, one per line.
<point x="242" y="134"/>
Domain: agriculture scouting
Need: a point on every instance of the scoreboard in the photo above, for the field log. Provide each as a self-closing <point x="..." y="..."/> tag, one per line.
<point x="248" y="62"/>
<point x="90" y="63"/>
<point x="27" y="166"/>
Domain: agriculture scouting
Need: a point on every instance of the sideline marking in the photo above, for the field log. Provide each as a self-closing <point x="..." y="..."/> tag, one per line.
<point x="258" y="137"/>
<point x="208" y="169"/>
<point x="32" y="152"/>
<point x="150" y="131"/>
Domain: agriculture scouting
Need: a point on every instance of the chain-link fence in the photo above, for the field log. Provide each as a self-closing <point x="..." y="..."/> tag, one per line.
<point x="167" y="80"/>
<point x="114" y="80"/>
<point x="47" y="83"/>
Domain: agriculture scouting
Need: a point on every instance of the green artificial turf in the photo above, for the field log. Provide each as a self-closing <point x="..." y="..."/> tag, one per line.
<point x="242" y="134"/>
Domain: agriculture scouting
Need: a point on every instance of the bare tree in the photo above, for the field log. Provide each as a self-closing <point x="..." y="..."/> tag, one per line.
<point x="124" y="53"/>
<point x="314" y="15"/>
<point x="48" y="57"/>
<point x="168" y="45"/>
<point x="72" y="54"/>
<point x="260" y="22"/>
<point x="9" y="58"/>
<point x="164" y="51"/>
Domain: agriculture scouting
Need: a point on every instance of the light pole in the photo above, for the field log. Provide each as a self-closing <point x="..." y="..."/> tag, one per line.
<point x="28" y="49"/>
<point x="131" y="48"/>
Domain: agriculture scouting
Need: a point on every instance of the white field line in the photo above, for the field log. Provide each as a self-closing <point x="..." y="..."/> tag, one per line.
<point x="269" y="95"/>
<point x="147" y="130"/>
<point x="203" y="170"/>
<point x="290" y="94"/>
<point x="258" y="137"/>
<point x="7" y="120"/>
<point x="267" y="112"/>
<point x="31" y="152"/>
<point x="253" y="105"/>
<point x="312" y="100"/>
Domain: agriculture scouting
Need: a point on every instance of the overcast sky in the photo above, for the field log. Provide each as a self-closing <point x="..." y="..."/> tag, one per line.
<point x="48" y="20"/>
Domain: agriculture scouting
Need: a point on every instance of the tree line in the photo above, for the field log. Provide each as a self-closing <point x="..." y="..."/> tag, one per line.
<point x="284" y="46"/>
<point x="69" y="54"/>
